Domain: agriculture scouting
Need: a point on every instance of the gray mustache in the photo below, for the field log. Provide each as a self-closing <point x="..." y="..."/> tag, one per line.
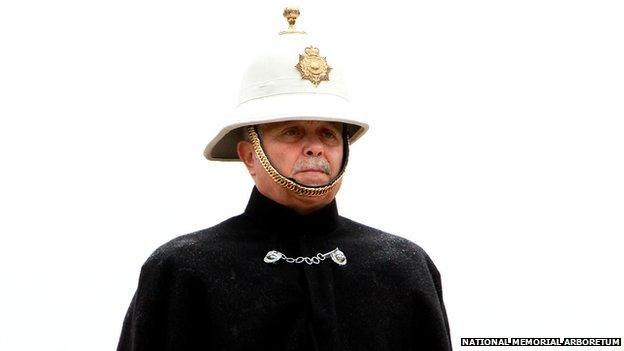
<point x="315" y="163"/>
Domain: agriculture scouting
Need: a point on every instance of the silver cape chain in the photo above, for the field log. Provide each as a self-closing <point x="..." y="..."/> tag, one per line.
<point x="335" y="254"/>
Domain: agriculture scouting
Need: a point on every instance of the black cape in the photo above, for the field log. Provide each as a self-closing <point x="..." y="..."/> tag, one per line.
<point x="211" y="290"/>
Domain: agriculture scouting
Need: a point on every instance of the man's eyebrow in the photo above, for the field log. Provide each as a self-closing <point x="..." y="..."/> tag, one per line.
<point x="336" y="127"/>
<point x="275" y="125"/>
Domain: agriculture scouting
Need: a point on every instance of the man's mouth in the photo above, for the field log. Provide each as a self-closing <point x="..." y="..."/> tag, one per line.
<point x="312" y="170"/>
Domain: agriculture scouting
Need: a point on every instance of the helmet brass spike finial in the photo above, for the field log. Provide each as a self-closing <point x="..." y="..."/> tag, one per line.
<point x="291" y="13"/>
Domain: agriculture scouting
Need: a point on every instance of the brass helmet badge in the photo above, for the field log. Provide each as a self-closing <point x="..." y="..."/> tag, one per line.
<point x="313" y="66"/>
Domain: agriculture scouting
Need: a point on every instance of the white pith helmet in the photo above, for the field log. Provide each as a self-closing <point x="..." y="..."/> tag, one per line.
<point x="294" y="80"/>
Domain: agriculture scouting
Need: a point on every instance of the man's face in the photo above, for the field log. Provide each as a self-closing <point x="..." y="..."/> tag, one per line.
<point x="308" y="151"/>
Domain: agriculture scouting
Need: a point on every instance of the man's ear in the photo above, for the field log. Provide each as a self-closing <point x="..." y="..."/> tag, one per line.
<point x="245" y="152"/>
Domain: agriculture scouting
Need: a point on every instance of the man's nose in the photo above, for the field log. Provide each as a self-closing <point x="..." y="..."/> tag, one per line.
<point x="313" y="147"/>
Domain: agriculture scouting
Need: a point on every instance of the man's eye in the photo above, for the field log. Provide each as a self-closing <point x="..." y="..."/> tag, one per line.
<point x="329" y="135"/>
<point x="291" y="132"/>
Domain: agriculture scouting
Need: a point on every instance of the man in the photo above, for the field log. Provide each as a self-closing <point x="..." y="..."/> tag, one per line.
<point x="289" y="273"/>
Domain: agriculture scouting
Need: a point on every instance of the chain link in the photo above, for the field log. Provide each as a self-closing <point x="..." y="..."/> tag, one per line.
<point x="309" y="260"/>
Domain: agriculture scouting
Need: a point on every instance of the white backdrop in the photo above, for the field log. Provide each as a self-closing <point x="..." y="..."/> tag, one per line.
<point x="495" y="143"/>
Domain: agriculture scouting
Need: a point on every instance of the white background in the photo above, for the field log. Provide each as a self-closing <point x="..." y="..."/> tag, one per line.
<point x="495" y="143"/>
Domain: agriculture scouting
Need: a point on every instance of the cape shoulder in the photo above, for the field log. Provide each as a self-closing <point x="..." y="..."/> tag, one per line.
<point x="389" y="245"/>
<point x="183" y="251"/>
<point x="408" y="261"/>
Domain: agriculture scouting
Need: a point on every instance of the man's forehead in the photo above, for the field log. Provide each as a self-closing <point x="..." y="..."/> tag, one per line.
<point x="273" y="125"/>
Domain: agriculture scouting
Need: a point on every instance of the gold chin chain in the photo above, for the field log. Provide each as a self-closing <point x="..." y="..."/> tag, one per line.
<point x="289" y="184"/>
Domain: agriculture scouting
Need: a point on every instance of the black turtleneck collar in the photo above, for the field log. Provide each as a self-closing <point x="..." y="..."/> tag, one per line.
<point x="279" y="219"/>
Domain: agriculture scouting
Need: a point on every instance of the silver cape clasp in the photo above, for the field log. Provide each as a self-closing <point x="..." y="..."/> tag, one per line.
<point x="336" y="255"/>
<point x="272" y="256"/>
